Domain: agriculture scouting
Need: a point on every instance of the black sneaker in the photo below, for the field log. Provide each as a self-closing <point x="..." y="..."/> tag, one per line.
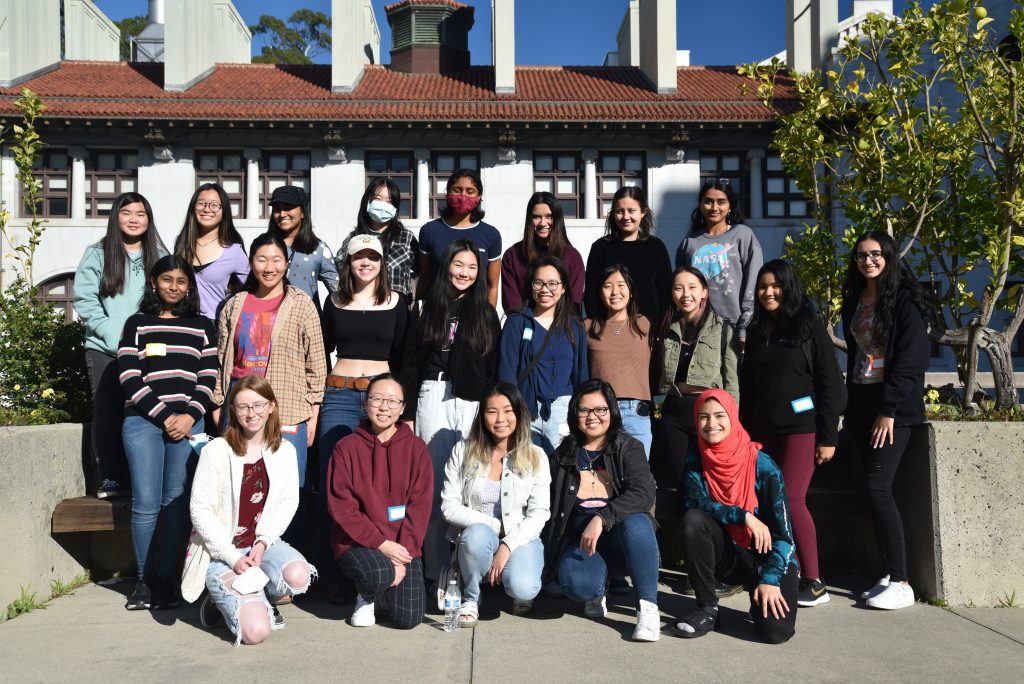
<point x="812" y="593"/>
<point x="696" y="624"/>
<point x="278" y="621"/>
<point x="111" y="489"/>
<point x="165" y="594"/>
<point x="726" y="590"/>
<point x="619" y="586"/>
<point x="141" y="598"/>
<point x="209" y="613"/>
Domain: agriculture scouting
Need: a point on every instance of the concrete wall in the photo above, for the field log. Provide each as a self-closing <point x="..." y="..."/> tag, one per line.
<point x="88" y="33"/>
<point x="29" y="39"/>
<point x="41" y="465"/>
<point x="197" y="35"/>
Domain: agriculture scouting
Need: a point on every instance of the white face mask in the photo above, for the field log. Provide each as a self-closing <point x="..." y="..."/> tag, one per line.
<point x="380" y="211"/>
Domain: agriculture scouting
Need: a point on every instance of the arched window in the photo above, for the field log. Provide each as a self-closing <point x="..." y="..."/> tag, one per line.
<point x="58" y="292"/>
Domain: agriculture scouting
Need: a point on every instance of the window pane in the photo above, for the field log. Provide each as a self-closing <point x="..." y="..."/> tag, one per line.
<point x="633" y="182"/>
<point x="776" y="209"/>
<point x="275" y="183"/>
<point x="610" y="163"/>
<point x="634" y="162"/>
<point x="404" y="184"/>
<point x="566" y="186"/>
<point x="737" y="184"/>
<point x="606" y="207"/>
<point x="543" y="184"/>
<point x="58" y="207"/>
<point x="776" y="186"/>
<point x="57" y="290"/>
<point x="400" y="164"/>
<point x="106" y="161"/>
<point x="376" y="163"/>
<point x="232" y="162"/>
<point x="609" y="186"/>
<point x="301" y="183"/>
<point x="103" y="207"/>
<point x="236" y="208"/>
<point x="58" y="183"/>
<point x="798" y="208"/>
<point x="773" y="163"/>
<point x="446" y="162"/>
<point x="300" y="162"/>
<point x="543" y="162"/>
<point x="566" y="163"/>
<point x="208" y="162"/>
<point x="208" y="179"/>
<point x="129" y="162"/>
<point x="232" y="186"/>
<point x="468" y="161"/>
<point x="106" y="186"/>
<point x="404" y="209"/>
<point x="58" y="160"/>
<point x="708" y="163"/>
<point x="277" y="162"/>
<point x="730" y="162"/>
<point x="793" y="186"/>
<point x="441" y="186"/>
<point x="569" y="208"/>
<point x="127" y="185"/>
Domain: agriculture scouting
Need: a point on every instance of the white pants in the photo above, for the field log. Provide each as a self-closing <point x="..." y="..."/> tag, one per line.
<point x="442" y="421"/>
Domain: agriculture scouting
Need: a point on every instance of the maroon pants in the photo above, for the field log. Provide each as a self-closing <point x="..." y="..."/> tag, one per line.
<point x="795" y="455"/>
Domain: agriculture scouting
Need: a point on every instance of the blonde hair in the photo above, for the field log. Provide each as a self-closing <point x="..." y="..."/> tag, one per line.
<point x="271" y="430"/>
<point x="523" y="455"/>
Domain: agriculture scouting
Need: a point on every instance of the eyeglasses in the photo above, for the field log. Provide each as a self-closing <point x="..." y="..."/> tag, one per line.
<point x="875" y="255"/>
<point x="719" y="181"/>
<point x="551" y="285"/>
<point x="258" y="408"/>
<point x="599" y="411"/>
<point x="212" y="206"/>
<point x="377" y="401"/>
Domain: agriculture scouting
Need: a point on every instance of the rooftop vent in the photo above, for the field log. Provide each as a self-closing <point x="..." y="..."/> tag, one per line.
<point x="429" y="36"/>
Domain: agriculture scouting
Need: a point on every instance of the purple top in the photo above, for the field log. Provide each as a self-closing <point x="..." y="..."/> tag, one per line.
<point x="213" y="278"/>
<point x="513" y="276"/>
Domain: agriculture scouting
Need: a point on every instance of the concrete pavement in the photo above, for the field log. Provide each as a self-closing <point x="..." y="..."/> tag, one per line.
<point x="89" y="637"/>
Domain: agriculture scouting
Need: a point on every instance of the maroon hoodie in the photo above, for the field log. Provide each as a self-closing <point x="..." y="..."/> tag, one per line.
<point x="370" y="481"/>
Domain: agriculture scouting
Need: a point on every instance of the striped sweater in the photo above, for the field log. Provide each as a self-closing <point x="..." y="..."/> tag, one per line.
<point x="168" y="366"/>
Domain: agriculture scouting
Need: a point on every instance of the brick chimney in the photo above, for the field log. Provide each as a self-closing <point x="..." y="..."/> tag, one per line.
<point x="429" y="36"/>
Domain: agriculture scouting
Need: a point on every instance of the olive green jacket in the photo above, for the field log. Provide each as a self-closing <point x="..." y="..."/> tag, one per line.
<point x="714" y="362"/>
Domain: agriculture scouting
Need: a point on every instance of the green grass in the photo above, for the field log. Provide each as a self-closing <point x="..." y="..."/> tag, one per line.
<point x="938" y="602"/>
<point x="60" y="588"/>
<point x="1009" y="600"/>
<point x="29" y="600"/>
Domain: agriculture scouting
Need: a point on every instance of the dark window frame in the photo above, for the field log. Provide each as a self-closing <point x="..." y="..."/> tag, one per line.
<point x="220" y="174"/>
<point x="65" y="300"/>
<point x="790" y="192"/>
<point x="569" y="201"/>
<point x="394" y="171"/>
<point x="289" y="175"/>
<point x="439" y="177"/>
<point x="118" y="173"/>
<point x="46" y="174"/>
<point x="622" y="175"/>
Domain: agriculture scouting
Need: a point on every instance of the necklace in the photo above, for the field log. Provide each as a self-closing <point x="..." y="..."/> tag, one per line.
<point x="621" y="326"/>
<point x="208" y="242"/>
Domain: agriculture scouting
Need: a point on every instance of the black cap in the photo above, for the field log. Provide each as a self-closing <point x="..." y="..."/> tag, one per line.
<point x="290" y="194"/>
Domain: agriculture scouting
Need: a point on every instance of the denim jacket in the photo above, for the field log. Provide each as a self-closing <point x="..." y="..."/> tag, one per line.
<point x="714" y="361"/>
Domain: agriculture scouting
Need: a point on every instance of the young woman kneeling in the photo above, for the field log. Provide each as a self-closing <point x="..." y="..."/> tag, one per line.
<point x="736" y="528"/>
<point x="380" y="485"/>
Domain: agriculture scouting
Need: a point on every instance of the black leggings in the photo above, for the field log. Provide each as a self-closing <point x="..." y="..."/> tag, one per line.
<point x="711" y="555"/>
<point x="373" y="573"/>
<point x="673" y="434"/>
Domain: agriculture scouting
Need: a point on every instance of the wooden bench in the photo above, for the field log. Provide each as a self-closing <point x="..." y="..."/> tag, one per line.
<point x="89" y="514"/>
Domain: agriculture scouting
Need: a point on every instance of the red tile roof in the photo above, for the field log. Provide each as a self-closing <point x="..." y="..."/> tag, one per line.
<point x="266" y="92"/>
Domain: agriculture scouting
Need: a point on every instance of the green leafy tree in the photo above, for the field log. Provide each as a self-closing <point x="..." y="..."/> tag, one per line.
<point x="130" y="27"/>
<point x="305" y="36"/>
<point x="918" y="131"/>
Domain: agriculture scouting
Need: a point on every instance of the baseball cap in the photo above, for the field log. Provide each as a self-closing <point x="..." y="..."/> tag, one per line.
<point x="363" y="241"/>
<point x="290" y="194"/>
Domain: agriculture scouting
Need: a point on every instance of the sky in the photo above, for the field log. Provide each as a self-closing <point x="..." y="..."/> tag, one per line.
<point x="578" y="32"/>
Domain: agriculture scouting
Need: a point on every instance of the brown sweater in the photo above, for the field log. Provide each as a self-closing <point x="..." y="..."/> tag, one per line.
<point x="622" y="360"/>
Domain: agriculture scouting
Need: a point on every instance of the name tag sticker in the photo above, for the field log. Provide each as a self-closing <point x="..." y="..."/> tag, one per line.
<point x="156" y="349"/>
<point x="290" y="429"/>
<point x="802" y="404"/>
<point x="877" y="362"/>
<point x="527" y="333"/>
<point x="396" y="513"/>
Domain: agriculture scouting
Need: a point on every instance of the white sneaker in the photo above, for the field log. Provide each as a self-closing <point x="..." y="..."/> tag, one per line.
<point x="595" y="608"/>
<point x="895" y="596"/>
<point x="362" y="616"/>
<point x="880" y="585"/>
<point x="648" y="622"/>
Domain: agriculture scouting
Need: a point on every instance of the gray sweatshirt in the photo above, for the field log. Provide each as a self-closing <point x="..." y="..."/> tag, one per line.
<point x="730" y="263"/>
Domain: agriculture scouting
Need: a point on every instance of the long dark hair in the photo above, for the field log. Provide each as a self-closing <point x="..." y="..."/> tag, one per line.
<point x="227" y="235"/>
<point x="896" y="276"/>
<point x="735" y="214"/>
<point x="305" y="240"/>
<point x="114" y="254"/>
<point x="523" y="455"/>
<point x="262" y="240"/>
<point x="689" y="330"/>
<point x="636" y="193"/>
<point x="795" y="317"/>
<point x="576" y="439"/>
<point x="477" y="214"/>
<point x="565" y="308"/>
<point x="599" y="318"/>
<point x="346" y="290"/>
<point x="558" y="239"/>
<point x="151" y="302"/>
<point x="364" y="224"/>
<point x="475" y="307"/>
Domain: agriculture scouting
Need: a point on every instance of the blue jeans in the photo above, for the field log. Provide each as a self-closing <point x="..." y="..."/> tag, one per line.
<point x="636" y="421"/>
<point x="340" y="414"/>
<point x="629" y="546"/>
<point x="548" y="434"/>
<point x="229" y="601"/>
<point x="521" y="576"/>
<point x="159" y="468"/>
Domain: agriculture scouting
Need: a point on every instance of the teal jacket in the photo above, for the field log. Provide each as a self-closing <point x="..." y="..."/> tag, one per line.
<point x="104" y="317"/>
<point x="714" y="360"/>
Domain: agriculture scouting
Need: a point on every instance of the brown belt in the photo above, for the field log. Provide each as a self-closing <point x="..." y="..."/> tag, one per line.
<point x="360" y="384"/>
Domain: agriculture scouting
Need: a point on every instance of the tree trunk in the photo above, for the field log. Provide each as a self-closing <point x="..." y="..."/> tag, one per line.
<point x="997" y="348"/>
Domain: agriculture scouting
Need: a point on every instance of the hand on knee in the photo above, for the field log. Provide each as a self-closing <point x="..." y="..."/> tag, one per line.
<point x="253" y="622"/>
<point x="296" y="575"/>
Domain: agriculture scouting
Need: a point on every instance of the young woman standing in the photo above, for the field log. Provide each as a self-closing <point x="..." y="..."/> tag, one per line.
<point x="629" y="240"/>
<point x="108" y="287"/>
<point x="456" y="363"/>
<point x="725" y="250"/>
<point x="168" y="367"/>
<point x="619" y="351"/>
<point x="543" y="235"/>
<point x="496" y="494"/>
<point x="544" y="351"/>
<point x="209" y="242"/>
<point x="244" y="496"/>
<point x="884" y="314"/>
<point x="461" y="219"/>
<point x="791" y="373"/>
<point x="378" y="215"/>
<point x="309" y="258"/>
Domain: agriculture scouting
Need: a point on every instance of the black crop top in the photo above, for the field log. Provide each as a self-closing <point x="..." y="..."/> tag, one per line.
<point x="372" y="335"/>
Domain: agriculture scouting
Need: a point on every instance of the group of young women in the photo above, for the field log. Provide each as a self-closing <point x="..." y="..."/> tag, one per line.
<point x="525" y="454"/>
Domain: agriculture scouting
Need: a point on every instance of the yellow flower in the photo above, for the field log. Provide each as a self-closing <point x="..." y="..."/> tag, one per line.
<point x="17" y="387"/>
<point x="48" y="392"/>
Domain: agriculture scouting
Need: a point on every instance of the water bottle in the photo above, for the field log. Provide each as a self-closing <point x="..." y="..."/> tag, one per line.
<point x="452" y="603"/>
